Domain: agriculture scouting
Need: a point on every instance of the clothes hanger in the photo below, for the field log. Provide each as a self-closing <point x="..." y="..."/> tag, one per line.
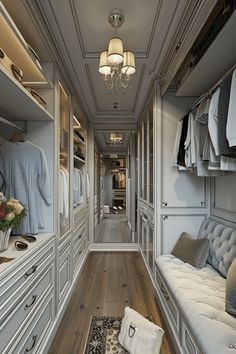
<point x="17" y="137"/>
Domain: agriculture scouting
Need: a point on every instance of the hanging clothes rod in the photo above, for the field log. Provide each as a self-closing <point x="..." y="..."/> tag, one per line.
<point x="10" y="124"/>
<point x="201" y="98"/>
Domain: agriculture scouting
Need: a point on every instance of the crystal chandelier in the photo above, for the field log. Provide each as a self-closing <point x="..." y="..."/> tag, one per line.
<point x="116" y="66"/>
<point x="116" y="138"/>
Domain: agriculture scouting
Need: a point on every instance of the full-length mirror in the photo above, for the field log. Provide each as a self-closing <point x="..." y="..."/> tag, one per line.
<point x="113" y="208"/>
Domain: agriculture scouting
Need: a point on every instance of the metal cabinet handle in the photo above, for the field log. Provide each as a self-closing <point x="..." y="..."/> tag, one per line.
<point x="164" y="203"/>
<point x="203" y="203"/>
<point x="27" y="274"/>
<point x="34" y="297"/>
<point x="27" y="350"/>
<point x="80" y="236"/>
<point x="80" y="252"/>
<point x="164" y="217"/>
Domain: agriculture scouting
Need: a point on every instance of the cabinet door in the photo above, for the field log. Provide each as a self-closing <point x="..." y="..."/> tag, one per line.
<point x="179" y="188"/>
<point x="150" y="247"/>
<point x="64" y="271"/>
<point x="64" y="171"/>
<point x="145" y="238"/>
<point x="173" y="225"/>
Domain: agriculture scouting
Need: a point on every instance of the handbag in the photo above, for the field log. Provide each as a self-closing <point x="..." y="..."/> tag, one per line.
<point x="138" y="335"/>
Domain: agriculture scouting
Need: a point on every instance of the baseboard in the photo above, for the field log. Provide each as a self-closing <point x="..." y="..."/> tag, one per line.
<point x="63" y="308"/>
<point x="113" y="247"/>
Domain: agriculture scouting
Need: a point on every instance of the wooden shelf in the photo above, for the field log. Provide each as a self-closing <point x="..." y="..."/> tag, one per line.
<point x="76" y="158"/>
<point x="17" y="49"/>
<point x="16" y="102"/>
<point x="77" y="140"/>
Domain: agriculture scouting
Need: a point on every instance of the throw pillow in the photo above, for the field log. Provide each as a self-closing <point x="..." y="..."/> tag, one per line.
<point x="192" y="251"/>
<point x="230" y="302"/>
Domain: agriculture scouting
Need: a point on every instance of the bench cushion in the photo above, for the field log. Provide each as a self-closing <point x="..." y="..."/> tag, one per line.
<point x="222" y="245"/>
<point x="200" y="296"/>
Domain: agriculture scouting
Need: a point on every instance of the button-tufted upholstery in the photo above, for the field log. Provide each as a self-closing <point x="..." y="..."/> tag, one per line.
<point x="200" y="297"/>
<point x="222" y="245"/>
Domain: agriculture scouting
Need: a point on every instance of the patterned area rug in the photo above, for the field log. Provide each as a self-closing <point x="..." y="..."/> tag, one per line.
<point x="103" y="336"/>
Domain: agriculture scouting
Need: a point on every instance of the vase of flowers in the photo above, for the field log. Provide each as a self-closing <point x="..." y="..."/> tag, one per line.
<point x="11" y="214"/>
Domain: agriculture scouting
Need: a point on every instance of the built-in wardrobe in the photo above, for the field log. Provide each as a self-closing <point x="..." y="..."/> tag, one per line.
<point x="35" y="286"/>
<point x="172" y="199"/>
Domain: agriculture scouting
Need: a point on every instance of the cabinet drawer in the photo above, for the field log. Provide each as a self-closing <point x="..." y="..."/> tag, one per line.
<point x="188" y="344"/>
<point x="64" y="270"/>
<point x="171" y="307"/>
<point x="78" y="254"/>
<point x="12" y="322"/>
<point x="80" y="217"/>
<point x="20" y="282"/>
<point x="33" y="338"/>
<point x="79" y="236"/>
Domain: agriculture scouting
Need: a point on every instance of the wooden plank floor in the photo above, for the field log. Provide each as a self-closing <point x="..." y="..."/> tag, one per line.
<point x="109" y="281"/>
<point x="113" y="228"/>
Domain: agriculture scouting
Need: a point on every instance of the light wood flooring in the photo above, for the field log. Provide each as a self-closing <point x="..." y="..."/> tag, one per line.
<point x="113" y="228"/>
<point x="109" y="281"/>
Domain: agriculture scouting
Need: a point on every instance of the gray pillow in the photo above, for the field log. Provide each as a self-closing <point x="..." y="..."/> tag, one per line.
<point x="230" y="303"/>
<point x="192" y="251"/>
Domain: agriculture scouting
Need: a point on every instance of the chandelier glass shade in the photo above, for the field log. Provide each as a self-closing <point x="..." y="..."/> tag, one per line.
<point x="116" y="66"/>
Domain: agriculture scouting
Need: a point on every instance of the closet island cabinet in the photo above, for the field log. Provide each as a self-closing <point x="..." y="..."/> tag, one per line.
<point x="36" y="283"/>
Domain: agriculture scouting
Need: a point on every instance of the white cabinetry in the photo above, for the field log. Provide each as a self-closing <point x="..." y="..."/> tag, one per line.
<point x="27" y="287"/>
<point x="36" y="286"/>
<point x="182" y="199"/>
<point x="180" y="189"/>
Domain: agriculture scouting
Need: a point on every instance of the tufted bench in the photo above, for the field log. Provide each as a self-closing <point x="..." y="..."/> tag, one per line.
<point x="194" y="299"/>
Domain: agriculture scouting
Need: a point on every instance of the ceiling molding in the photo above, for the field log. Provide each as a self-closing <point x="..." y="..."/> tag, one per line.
<point x="92" y="55"/>
<point x="195" y="15"/>
<point x="91" y="86"/>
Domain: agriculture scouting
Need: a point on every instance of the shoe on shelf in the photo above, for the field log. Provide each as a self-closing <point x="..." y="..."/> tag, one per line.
<point x="120" y="208"/>
<point x="114" y="208"/>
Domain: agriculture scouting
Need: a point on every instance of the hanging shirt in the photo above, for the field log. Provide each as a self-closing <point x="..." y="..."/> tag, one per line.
<point x="181" y="152"/>
<point x="76" y="186"/>
<point x="24" y="176"/>
<point x="202" y="111"/>
<point x="231" y="118"/>
<point x="176" y="143"/>
<point x="64" y="192"/>
<point x="223" y="108"/>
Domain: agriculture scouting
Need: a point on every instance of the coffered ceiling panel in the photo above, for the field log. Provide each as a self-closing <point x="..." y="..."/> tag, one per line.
<point x="137" y="30"/>
<point x="103" y="139"/>
<point x="105" y="98"/>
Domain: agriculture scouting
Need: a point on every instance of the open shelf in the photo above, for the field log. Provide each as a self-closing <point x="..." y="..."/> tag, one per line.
<point x="76" y="158"/>
<point x="17" y="49"/>
<point x="77" y="140"/>
<point x="16" y="102"/>
<point x="217" y="60"/>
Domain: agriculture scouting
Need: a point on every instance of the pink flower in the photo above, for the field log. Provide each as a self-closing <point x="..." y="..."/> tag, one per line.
<point x="2" y="213"/>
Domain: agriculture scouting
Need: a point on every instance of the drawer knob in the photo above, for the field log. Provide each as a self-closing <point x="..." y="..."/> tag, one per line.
<point x="202" y="203"/>
<point x="164" y="203"/>
<point x="34" y="297"/>
<point x="27" y="350"/>
<point x="164" y="217"/>
<point x="80" y="236"/>
<point x="33" y="269"/>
